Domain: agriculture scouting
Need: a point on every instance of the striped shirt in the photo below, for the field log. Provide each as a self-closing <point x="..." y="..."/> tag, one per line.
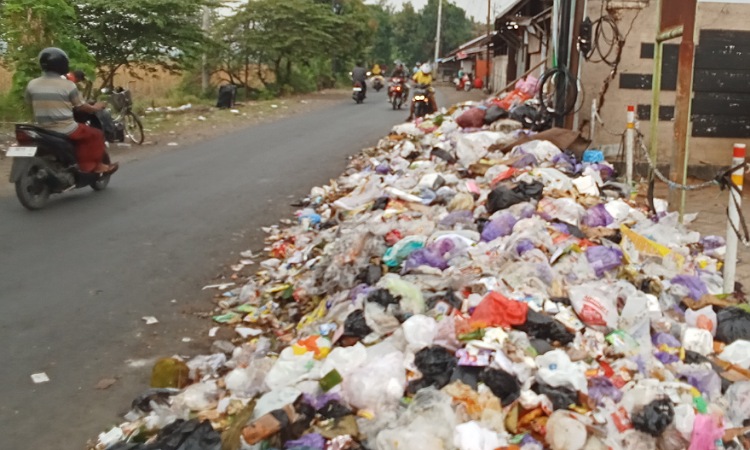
<point x="53" y="99"/>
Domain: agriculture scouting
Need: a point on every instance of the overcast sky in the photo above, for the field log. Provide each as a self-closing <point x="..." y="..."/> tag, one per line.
<point x="475" y="8"/>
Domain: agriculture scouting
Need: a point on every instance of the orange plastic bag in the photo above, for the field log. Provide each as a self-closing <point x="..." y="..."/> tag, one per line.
<point x="497" y="311"/>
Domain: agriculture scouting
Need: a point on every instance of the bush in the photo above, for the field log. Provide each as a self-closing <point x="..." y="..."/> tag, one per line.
<point x="14" y="110"/>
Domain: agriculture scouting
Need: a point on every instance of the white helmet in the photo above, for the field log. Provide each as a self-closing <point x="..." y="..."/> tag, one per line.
<point x="426" y="68"/>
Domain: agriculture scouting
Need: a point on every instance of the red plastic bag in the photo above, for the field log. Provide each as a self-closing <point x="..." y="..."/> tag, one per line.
<point x="516" y="97"/>
<point x="496" y="310"/>
<point x="472" y="118"/>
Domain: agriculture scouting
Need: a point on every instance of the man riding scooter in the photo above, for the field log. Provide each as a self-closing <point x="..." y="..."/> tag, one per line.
<point x="399" y="75"/>
<point x="54" y="99"/>
<point x="423" y="77"/>
<point x="359" y="75"/>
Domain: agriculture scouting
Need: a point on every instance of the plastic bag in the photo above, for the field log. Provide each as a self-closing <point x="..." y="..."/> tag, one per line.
<point x="419" y="331"/>
<point x="428" y="423"/>
<point x="601" y="388"/>
<point x="738" y="397"/>
<point x="561" y="397"/>
<point x="704" y="318"/>
<point x="378" y="385"/>
<point x="355" y="324"/>
<point x="493" y="114"/>
<point x="471" y="147"/>
<point x="603" y="259"/>
<point x="434" y="255"/>
<point x="290" y="369"/>
<point x="654" y="417"/>
<point x="311" y="441"/>
<point x="500" y="226"/>
<point x="497" y="311"/>
<point x="737" y="353"/>
<point x="504" y="385"/>
<point x="180" y="435"/>
<point x="502" y="198"/>
<point x="556" y="369"/>
<point x="436" y="365"/>
<point x="734" y="324"/>
<point x="707" y="430"/>
<point x="595" y="303"/>
<point x="564" y="432"/>
<point x="395" y="255"/>
<point x="563" y="209"/>
<point x="543" y="327"/>
<point x="597" y="216"/>
<point x="412" y="300"/>
<point x="471" y="118"/>
<point x="694" y="284"/>
<point x="472" y="436"/>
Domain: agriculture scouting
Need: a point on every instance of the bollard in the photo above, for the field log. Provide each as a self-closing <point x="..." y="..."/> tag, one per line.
<point x="735" y="199"/>
<point x="630" y="146"/>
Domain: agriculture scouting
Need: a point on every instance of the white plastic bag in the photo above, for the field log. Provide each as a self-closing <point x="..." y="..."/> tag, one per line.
<point x="471" y="147"/>
<point x="595" y="303"/>
<point x="556" y="369"/>
<point x="471" y="436"/>
<point x="565" y="432"/>
<point x="738" y="353"/>
<point x="419" y="332"/>
<point x="378" y="385"/>
<point x="290" y="369"/>
<point x="704" y="318"/>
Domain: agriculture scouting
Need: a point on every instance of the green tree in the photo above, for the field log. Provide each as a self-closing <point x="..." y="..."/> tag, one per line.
<point x="382" y="51"/>
<point x="141" y="35"/>
<point x="27" y="27"/>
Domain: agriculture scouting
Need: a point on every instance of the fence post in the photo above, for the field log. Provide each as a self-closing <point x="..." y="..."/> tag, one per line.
<point x="733" y="217"/>
<point x="630" y="146"/>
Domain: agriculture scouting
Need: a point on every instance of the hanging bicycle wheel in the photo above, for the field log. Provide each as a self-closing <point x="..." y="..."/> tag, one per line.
<point x="134" y="128"/>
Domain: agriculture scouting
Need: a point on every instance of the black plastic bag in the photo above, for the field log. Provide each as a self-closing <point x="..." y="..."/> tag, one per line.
<point x="543" y="327"/>
<point x="382" y="297"/>
<point x="733" y="324"/>
<point x="504" y="385"/>
<point x="334" y="410"/>
<point x="654" y="418"/>
<point x="180" y="435"/>
<point x="468" y="375"/>
<point x="561" y="397"/>
<point x="380" y="203"/>
<point x="494" y="113"/>
<point x="356" y="325"/>
<point x="436" y="364"/>
<point x="502" y="198"/>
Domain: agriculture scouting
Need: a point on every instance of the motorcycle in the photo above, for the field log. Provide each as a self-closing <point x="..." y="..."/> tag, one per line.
<point x="44" y="163"/>
<point x="358" y="93"/>
<point x="421" y="100"/>
<point x="463" y="83"/>
<point x="397" y="92"/>
<point x="377" y="82"/>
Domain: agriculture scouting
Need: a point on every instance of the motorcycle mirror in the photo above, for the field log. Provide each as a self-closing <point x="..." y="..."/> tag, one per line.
<point x="369" y="74"/>
<point x="105" y="91"/>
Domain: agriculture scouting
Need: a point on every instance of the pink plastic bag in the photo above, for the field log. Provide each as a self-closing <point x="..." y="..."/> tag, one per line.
<point x="471" y="118"/>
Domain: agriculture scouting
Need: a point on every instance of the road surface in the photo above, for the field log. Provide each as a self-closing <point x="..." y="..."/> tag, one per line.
<point x="77" y="278"/>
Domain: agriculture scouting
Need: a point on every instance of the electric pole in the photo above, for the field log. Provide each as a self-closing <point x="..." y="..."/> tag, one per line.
<point x="437" y="37"/>
<point x="489" y="42"/>
<point x="205" y="77"/>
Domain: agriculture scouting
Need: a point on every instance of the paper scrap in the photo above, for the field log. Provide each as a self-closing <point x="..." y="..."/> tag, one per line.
<point x="40" y="377"/>
<point x="105" y="383"/>
<point x="212" y="332"/>
<point x="246" y="332"/>
<point x="150" y="320"/>
<point x="221" y="287"/>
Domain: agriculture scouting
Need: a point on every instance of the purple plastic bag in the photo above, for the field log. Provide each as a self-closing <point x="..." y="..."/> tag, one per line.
<point x="433" y="255"/>
<point x="383" y="168"/>
<point x="565" y="163"/>
<point x="603" y="259"/>
<point x="501" y="226"/>
<point x="523" y="246"/>
<point x="307" y="441"/>
<point x="525" y="161"/>
<point x="666" y="358"/>
<point x="704" y="379"/>
<point x="667" y="339"/>
<point x="602" y="387"/>
<point x="597" y="216"/>
<point x="712" y="242"/>
<point x="320" y="401"/>
<point x="693" y="283"/>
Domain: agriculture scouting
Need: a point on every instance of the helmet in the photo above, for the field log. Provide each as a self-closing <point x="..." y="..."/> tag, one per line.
<point x="54" y="60"/>
<point x="426" y="68"/>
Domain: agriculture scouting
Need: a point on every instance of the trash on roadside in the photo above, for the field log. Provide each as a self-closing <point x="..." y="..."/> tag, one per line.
<point x="467" y="284"/>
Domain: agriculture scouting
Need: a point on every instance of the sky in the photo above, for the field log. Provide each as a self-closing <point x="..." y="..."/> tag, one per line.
<point x="474" y="8"/>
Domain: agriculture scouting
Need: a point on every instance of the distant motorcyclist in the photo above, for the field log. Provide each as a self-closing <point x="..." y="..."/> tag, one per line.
<point x="416" y="68"/>
<point x="399" y="71"/>
<point x="359" y="74"/>
<point x="54" y="98"/>
<point x="423" y="77"/>
<point x="376" y="71"/>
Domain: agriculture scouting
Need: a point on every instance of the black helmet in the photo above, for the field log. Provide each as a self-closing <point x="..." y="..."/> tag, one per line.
<point x="54" y="60"/>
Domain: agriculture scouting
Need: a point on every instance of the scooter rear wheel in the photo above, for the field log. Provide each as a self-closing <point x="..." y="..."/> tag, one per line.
<point x="31" y="189"/>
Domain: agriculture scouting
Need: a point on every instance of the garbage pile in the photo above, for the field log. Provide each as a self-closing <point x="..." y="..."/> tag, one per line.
<point x="466" y="288"/>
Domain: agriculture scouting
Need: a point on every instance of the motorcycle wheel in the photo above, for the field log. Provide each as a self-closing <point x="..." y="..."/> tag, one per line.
<point x="31" y="190"/>
<point x="420" y="110"/>
<point x="395" y="103"/>
<point x="134" y="128"/>
<point x="102" y="182"/>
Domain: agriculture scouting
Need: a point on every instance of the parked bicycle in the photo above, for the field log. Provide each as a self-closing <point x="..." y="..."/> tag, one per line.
<point x="126" y="121"/>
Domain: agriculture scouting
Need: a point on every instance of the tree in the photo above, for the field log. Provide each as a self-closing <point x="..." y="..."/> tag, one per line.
<point x="28" y="26"/>
<point x="141" y="34"/>
<point x="381" y="21"/>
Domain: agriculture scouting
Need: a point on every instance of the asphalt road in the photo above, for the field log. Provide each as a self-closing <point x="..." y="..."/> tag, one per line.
<point x="77" y="278"/>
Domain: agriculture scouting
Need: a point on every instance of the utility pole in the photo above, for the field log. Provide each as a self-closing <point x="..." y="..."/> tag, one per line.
<point x="437" y="34"/>
<point x="489" y="42"/>
<point x="205" y="77"/>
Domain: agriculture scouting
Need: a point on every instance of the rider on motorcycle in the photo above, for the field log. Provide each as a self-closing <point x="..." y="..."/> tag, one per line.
<point x="399" y="71"/>
<point x="53" y="99"/>
<point x="424" y="77"/>
<point x="359" y="74"/>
